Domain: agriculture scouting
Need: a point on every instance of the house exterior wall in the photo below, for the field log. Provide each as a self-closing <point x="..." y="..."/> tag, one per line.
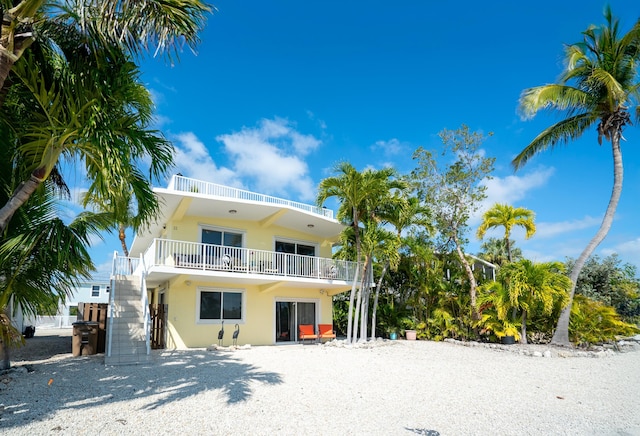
<point x="257" y="327"/>
<point x="66" y="314"/>
<point x="255" y="236"/>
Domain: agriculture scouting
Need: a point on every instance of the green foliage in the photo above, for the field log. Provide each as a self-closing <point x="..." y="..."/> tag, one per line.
<point x="451" y="187"/>
<point x="612" y="283"/>
<point x="494" y="250"/>
<point x="507" y="216"/>
<point x="593" y="322"/>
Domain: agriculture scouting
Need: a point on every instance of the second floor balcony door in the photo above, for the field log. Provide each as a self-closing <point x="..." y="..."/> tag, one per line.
<point x="228" y="245"/>
<point x="294" y="265"/>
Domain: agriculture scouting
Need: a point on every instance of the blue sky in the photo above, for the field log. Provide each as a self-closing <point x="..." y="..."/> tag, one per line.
<point x="279" y="92"/>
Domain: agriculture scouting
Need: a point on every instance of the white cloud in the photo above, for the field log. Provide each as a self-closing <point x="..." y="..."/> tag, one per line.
<point x="268" y="158"/>
<point x="510" y="190"/>
<point x="514" y="188"/>
<point x="193" y="160"/>
<point x="271" y="157"/>
<point x="548" y="230"/>
<point x="628" y="251"/>
<point x="391" y="147"/>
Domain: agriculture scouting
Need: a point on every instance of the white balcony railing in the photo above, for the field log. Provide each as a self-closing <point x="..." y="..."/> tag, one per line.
<point x="192" y="255"/>
<point x="185" y="184"/>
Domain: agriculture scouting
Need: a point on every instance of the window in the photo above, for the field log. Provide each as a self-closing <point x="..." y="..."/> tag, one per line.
<point x="222" y="237"/>
<point x="295" y="248"/>
<point x="220" y="304"/>
<point x="95" y="291"/>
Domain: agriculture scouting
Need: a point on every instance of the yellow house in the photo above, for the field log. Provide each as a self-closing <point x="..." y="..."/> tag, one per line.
<point x="225" y="258"/>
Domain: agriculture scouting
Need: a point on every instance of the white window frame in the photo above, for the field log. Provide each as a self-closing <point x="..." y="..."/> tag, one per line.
<point x="243" y="309"/>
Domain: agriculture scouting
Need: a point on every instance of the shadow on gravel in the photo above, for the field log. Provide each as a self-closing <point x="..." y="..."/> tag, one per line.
<point x="82" y="383"/>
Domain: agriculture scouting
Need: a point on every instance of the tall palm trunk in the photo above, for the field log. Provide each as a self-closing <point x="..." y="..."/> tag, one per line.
<point x="561" y="335"/>
<point x="19" y="197"/>
<point x="364" y="319"/>
<point x="523" y="328"/>
<point x="123" y="241"/>
<point x="375" y="301"/>
<point x="351" y="300"/>
<point x="351" y="329"/>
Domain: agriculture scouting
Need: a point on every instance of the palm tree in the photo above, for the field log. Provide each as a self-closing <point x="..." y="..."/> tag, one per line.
<point x="507" y="216"/>
<point x="532" y="285"/>
<point x="42" y="259"/>
<point x="494" y="250"/>
<point x="166" y="25"/>
<point x="402" y="214"/>
<point x="81" y="57"/>
<point x="361" y="195"/>
<point x="597" y="88"/>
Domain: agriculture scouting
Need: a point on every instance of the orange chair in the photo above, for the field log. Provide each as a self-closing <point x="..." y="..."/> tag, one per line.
<point x="325" y="331"/>
<point x="306" y="331"/>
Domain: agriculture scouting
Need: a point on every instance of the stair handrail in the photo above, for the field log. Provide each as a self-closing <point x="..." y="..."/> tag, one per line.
<point x="112" y="290"/>
<point x="144" y="300"/>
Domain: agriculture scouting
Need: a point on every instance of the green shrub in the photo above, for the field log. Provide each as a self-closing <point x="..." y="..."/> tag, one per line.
<point x="593" y="322"/>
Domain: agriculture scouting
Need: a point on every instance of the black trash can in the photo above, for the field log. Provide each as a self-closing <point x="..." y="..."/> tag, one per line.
<point x="85" y="338"/>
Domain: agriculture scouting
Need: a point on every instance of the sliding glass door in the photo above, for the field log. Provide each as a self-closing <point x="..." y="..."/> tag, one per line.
<point x="289" y="315"/>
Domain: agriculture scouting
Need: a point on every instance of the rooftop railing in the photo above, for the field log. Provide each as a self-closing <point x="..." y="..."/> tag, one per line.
<point x="186" y="184"/>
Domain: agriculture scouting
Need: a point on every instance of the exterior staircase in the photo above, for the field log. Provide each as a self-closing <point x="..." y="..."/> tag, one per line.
<point x="126" y="335"/>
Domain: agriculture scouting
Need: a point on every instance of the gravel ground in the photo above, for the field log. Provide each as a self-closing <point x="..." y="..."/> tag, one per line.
<point x="393" y="388"/>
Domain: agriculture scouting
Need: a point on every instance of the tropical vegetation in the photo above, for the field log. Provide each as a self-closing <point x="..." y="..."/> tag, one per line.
<point x="70" y="92"/>
<point x="598" y="88"/>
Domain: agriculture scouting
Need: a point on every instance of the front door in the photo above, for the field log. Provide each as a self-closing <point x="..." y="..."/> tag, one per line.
<point x="289" y="315"/>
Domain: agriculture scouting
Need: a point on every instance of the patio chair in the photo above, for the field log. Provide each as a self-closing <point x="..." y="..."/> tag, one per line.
<point x="325" y="331"/>
<point x="306" y="331"/>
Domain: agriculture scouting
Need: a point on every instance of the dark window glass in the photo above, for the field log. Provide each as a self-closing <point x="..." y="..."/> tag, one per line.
<point x="210" y="304"/>
<point x="232" y="305"/>
<point x="221" y="305"/>
<point x="211" y="237"/>
<point x="232" y="239"/>
<point x="95" y="291"/>
<point x="306" y="250"/>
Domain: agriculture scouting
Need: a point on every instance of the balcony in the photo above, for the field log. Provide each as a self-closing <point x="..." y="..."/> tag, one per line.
<point x="191" y="257"/>
<point x="185" y="184"/>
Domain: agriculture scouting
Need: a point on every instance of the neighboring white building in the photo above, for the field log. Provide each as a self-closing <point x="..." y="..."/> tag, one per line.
<point x="95" y="290"/>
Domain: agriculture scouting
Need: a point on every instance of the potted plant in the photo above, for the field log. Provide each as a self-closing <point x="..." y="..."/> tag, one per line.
<point x="509" y="335"/>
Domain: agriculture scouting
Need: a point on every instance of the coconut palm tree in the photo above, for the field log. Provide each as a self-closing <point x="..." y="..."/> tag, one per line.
<point x="598" y="88"/>
<point x="81" y="57"/>
<point x="42" y="259"/>
<point x="507" y="216"/>
<point x="165" y="25"/>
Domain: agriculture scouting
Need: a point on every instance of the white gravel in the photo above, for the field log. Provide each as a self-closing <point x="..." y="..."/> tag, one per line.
<point x="396" y="388"/>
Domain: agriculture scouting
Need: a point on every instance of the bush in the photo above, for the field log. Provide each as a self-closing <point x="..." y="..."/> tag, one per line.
<point x="593" y="322"/>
